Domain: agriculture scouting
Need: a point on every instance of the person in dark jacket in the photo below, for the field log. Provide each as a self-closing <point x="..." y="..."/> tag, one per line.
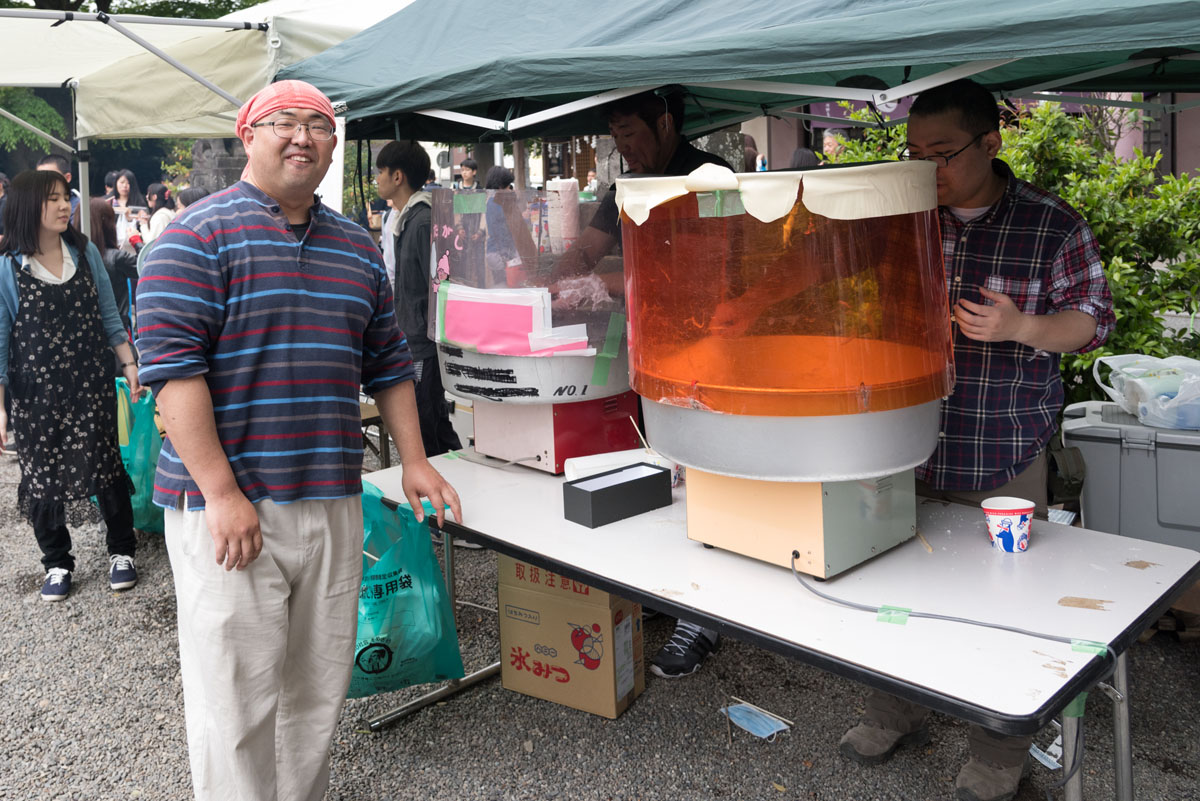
<point x="121" y="264"/>
<point x="401" y="170"/>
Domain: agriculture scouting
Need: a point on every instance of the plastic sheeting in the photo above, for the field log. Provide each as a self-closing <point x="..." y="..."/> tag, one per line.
<point x="803" y="315"/>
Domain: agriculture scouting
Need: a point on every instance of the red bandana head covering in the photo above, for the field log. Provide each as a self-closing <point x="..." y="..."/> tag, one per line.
<point x="278" y="96"/>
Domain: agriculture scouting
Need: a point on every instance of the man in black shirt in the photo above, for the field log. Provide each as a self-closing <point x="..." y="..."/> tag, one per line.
<point x="646" y="129"/>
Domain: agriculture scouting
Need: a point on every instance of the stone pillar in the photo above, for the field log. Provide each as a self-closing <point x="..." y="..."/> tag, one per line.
<point x="727" y="144"/>
<point x="608" y="163"/>
<point x="217" y="163"/>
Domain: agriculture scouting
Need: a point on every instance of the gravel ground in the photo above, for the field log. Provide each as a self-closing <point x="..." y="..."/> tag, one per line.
<point x="91" y="707"/>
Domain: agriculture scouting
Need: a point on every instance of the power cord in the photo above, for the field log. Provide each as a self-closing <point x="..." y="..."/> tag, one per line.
<point x="933" y="616"/>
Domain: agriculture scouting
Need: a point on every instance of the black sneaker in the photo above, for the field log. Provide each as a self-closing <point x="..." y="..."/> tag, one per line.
<point x="57" y="585"/>
<point x="684" y="652"/>
<point x="121" y="573"/>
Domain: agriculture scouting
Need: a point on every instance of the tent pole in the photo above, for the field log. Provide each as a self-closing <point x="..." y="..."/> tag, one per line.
<point x="797" y="89"/>
<point x="573" y="106"/>
<point x="85" y="194"/>
<point x="13" y="118"/>
<point x="195" y="76"/>
<point x="466" y="119"/>
<point x="1085" y="100"/>
<point x="938" y="79"/>
<point x="1083" y="76"/>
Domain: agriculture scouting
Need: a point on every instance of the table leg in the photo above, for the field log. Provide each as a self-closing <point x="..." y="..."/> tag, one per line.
<point x="1070" y="734"/>
<point x="1122" y="743"/>
<point x="445" y="691"/>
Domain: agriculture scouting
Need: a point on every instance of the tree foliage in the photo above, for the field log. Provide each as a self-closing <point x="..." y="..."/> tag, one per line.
<point x="34" y="110"/>
<point x="1147" y="227"/>
<point x="179" y="9"/>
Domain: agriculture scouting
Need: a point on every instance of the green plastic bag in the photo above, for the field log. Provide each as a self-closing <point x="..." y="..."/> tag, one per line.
<point x="140" y="443"/>
<point x="406" y="631"/>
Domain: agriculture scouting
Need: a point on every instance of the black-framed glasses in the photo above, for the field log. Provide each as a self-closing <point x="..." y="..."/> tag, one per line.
<point x="286" y="129"/>
<point x="941" y="161"/>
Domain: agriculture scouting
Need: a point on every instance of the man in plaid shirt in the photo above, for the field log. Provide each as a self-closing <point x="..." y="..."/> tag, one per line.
<point x="1026" y="284"/>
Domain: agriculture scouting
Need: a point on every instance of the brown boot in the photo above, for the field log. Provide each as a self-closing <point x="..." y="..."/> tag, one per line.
<point x="998" y="764"/>
<point x="982" y="781"/>
<point x="869" y="743"/>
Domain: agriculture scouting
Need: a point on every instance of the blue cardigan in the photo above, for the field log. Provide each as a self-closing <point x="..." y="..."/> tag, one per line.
<point x="111" y="320"/>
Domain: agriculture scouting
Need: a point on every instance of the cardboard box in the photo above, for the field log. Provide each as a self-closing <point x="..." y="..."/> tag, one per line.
<point x="616" y="494"/>
<point x="566" y="642"/>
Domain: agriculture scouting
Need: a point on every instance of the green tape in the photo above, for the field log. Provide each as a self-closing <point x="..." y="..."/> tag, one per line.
<point x="1089" y="647"/>
<point x="451" y="454"/>
<point x="720" y="203"/>
<point x="443" y="294"/>
<point x="893" y="614"/>
<point x="612" y="344"/>
<point x="1075" y="708"/>
<point x="470" y="202"/>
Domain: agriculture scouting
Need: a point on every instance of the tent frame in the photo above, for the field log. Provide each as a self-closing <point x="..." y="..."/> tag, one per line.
<point x="794" y="91"/>
<point x="117" y="22"/>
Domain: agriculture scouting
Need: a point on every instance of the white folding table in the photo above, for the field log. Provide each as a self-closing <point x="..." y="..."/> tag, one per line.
<point x="1074" y="583"/>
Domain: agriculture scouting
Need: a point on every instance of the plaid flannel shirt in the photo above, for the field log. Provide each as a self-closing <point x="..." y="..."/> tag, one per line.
<point x="1035" y="248"/>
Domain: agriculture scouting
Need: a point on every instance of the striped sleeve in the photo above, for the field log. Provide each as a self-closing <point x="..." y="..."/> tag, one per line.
<point x="181" y="298"/>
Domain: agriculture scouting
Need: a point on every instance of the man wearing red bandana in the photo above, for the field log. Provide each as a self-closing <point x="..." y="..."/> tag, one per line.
<point x="261" y="315"/>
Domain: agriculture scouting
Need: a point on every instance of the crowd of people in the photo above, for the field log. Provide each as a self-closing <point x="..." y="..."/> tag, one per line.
<point x="260" y="477"/>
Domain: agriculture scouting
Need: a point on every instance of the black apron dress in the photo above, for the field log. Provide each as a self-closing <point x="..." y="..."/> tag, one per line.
<point x="64" y="415"/>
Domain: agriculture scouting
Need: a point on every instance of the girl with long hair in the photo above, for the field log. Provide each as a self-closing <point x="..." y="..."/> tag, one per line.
<point x="161" y="210"/>
<point x="57" y="323"/>
<point x="127" y="200"/>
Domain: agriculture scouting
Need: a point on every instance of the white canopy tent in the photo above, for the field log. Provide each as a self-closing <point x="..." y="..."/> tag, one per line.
<point x="136" y="76"/>
<point x="138" y="95"/>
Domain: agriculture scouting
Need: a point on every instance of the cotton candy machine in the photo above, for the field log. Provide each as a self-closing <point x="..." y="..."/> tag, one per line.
<point x="547" y="371"/>
<point x="791" y="328"/>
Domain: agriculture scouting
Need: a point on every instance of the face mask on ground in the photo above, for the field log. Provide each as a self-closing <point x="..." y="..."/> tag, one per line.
<point x="755" y="721"/>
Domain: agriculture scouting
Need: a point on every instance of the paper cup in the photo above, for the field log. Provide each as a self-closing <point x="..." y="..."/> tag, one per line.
<point x="1008" y="522"/>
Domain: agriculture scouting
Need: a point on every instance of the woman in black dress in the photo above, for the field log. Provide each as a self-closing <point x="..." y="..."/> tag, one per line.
<point x="58" y="322"/>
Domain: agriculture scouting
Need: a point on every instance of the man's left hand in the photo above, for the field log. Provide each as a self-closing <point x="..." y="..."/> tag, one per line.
<point x="1002" y="322"/>
<point x="422" y="481"/>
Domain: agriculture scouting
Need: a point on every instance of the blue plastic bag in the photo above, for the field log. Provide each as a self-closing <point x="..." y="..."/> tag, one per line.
<point x="406" y="631"/>
<point x="140" y="443"/>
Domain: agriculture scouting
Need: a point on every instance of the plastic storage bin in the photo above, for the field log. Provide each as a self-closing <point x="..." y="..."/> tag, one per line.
<point x="1141" y="481"/>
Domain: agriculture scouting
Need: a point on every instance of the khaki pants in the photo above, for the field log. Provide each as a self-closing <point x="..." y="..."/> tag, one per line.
<point x="266" y="652"/>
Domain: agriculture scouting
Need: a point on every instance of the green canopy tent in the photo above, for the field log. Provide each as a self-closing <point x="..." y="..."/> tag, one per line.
<point x="737" y="60"/>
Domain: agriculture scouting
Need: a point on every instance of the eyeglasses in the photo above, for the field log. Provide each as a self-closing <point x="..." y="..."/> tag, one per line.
<point x="286" y="129"/>
<point x="940" y="161"/>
